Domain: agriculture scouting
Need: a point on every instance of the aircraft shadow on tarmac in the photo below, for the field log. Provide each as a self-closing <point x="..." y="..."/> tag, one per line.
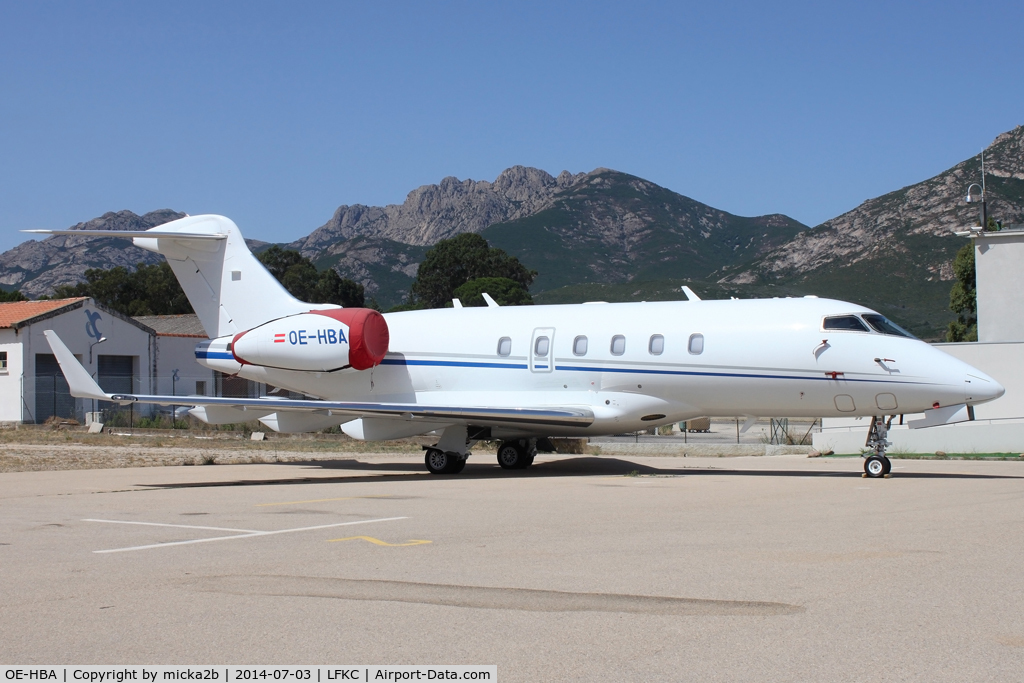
<point x="585" y="466"/>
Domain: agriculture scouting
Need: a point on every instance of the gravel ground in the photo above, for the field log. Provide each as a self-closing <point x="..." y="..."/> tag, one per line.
<point x="33" y="450"/>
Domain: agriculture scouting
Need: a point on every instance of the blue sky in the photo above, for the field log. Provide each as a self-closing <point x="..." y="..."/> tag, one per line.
<point x="274" y="114"/>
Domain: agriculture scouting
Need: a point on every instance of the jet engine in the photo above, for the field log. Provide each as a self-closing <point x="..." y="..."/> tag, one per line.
<point x="317" y="341"/>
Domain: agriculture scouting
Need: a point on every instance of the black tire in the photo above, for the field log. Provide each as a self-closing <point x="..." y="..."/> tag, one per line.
<point x="437" y="461"/>
<point x="458" y="464"/>
<point x="511" y="455"/>
<point x="888" y="466"/>
<point x="874" y="466"/>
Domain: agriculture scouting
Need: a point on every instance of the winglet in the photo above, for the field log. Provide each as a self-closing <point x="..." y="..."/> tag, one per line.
<point x="80" y="383"/>
<point x="690" y="296"/>
<point x="491" y="303"/>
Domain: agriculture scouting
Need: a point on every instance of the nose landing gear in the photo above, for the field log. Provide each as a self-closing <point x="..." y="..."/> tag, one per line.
<point x="877" y="464"/>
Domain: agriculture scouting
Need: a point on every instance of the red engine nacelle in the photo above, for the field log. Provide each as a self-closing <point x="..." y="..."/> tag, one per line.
<point x="349" y="337"/>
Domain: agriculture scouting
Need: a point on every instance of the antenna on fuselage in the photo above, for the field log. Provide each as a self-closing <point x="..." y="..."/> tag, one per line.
<point x="690" y="296"/>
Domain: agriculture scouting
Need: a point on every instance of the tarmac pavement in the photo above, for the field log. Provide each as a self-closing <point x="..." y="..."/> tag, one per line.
<point x="782" y="568"/>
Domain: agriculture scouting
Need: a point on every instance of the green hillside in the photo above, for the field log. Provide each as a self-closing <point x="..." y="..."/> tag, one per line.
<point x="617" y="228"/>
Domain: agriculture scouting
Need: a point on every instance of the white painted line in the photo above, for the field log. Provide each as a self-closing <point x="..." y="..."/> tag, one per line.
<point x="175" y="526"/>
<point x="247" y="535"/>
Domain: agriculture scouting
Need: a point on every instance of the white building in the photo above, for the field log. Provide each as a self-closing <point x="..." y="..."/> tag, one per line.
<point x="143" y="355"/>
<point x="176" y="371"/>
<point x="999" y="425"/>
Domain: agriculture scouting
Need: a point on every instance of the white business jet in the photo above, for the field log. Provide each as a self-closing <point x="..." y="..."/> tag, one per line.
<point x="522" y="374"/>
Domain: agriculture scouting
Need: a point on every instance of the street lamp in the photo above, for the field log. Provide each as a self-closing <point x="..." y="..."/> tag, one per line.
<point x="973" y="197"/>
<point x="98" y="341"/>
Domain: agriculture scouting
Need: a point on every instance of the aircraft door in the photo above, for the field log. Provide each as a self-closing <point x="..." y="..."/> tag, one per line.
<point x="542" y="350"/>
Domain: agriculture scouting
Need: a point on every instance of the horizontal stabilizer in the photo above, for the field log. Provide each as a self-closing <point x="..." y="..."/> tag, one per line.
<point x="133" y="233"/>
<point x="80" y="384"/>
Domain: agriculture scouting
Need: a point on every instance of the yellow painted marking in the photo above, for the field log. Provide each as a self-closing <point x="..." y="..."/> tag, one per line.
<point x="377" y="541"/>
<point x="318" y="500"/>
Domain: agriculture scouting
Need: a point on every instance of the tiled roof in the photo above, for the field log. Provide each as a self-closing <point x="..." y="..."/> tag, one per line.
<point x="186" y="325"/>
<point x="17" y="313"/>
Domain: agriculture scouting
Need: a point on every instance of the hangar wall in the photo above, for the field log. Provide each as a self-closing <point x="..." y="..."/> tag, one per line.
<point x="999" y="425"/>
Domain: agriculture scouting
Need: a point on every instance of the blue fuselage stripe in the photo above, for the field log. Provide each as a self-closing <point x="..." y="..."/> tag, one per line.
<point x="215" y="355"/>
<point x="636" y="371"/>
<point x="452" y="364"/>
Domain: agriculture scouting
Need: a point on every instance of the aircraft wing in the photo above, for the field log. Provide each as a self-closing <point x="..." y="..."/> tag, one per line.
<point x="82" y="385"/>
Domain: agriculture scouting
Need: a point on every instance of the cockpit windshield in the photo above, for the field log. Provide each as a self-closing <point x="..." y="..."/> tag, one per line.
<point x="881" y="324"/>
<point x="844" y="322"/>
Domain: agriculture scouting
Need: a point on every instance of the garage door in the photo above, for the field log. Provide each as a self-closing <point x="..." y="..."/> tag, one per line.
<point x="115" y="374"/>
<point x="52" y="395"/>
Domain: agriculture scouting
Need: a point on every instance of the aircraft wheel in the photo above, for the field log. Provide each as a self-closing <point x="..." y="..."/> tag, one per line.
<point x="458" y="464"/>
<point x="511" y="456"/>
<point x="874" y="466"/>
<point x="888" y="465"/>
<point x="437" y="461"/>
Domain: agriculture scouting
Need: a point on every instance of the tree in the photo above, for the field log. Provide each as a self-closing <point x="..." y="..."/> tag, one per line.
<point x="453" y="262"/>
<point x="153" y="289"/>
<point x="963" y="299"/>
<point x="148" y="290"/>
<point x="503" y="290"/>
<point x="14" y="295"/>
<point x="302" y="280"/>
<point x="331" y="288"/>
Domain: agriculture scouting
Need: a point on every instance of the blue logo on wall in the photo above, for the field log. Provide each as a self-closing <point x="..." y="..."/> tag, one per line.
<point x="90" y="327"/>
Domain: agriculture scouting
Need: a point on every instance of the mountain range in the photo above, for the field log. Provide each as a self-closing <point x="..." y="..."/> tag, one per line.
<point x="607" y="235"/>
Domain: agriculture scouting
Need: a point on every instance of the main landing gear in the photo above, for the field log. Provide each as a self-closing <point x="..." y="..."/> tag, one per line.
<point x="517" y="454"/>
<point x="877" y="464"/>
<point x="444" y="462"/>
<point x="449" y="455"/>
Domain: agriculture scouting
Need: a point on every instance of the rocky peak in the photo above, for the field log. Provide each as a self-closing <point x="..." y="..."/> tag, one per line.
<point x="36" y="266"/>
<point x="934" y="207"/>
<point x="434" y="212"/>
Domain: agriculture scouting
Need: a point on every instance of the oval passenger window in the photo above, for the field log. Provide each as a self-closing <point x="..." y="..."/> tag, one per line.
<point x="579" y="346"/>
<point x="696" y="345"/>
<point x="540" y="349"/>
<point x="657" y="345"/>
<point x="504" y="346"/>
<point x="618" y="345"/>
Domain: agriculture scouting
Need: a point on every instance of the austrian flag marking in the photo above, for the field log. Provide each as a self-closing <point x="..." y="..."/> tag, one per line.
<point x="279" y="338"/>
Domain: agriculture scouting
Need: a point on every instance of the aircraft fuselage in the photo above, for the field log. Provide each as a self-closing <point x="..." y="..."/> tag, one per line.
<point x="641" y="364"/>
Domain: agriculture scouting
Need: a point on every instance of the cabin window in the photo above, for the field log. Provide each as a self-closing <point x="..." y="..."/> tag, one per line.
<point x="540" y="347"/>
<point x="696" y="345"/>
<point x="885" y="326"/>
<point x="3" y="361"/>
<point x="618" y="345"/>
<point x="504" y="346"/>
<point x="845" y="322"/>
<point x="656" y="345"/>
<point x="579" y="346"/>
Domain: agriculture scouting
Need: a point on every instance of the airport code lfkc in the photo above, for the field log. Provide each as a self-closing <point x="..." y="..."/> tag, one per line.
<point x="231" y="674"/>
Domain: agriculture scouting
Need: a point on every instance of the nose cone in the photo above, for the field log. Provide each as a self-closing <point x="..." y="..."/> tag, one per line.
<point x="980" y="387"/>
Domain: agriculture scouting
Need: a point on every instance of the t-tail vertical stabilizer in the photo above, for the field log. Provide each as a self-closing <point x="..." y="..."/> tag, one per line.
<point x="230" y="290"/>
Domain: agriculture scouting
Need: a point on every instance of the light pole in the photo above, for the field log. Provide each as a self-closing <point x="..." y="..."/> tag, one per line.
<point x="98" y="341"/>
<point x="174" y="392"/>
<point x="972" y="197"/>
